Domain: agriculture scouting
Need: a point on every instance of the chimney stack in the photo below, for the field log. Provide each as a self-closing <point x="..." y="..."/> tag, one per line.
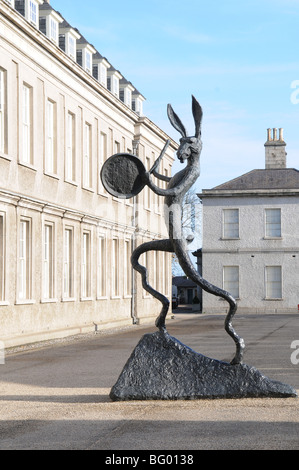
<point x="275" y="150"/>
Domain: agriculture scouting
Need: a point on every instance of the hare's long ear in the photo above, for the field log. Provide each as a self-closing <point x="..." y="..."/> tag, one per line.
<point x="197" y="114"/>
<point x="175" y="121"/>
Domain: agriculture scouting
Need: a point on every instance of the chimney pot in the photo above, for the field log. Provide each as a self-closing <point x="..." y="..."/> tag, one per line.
<point x="275" y="152"/>
<point x="269" y="135"/>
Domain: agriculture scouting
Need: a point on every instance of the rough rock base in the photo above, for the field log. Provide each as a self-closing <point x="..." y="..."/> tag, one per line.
<point x="162" y="368"/>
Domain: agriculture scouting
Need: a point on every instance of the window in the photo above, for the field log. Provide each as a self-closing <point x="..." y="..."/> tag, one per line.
<point x="115" y="89"/>
<point x="114" y="267"/>
<point x="103" y="75"/>
<point x="127" y="268"/>
<point x="88" y="61"/>
<point x="2" y="266"/>
<point x="50" y="164"/>
<point x="53" y="30"/>
<point x="273" y="223"/>
<point x="2" y="110"/>
<point x="231" y="280"/>
<point x="102" y="158"/>
<point x="147" y="190"/>
<point x="48" y="284"/>
<point x="231" y="223"/>
<point x="116" y="147"/>
<point x="33" y="12"/>
<point x="87" y="156"/>
<point x="24" y="268"/>
<point x="72" y="47"/>
<point x="86" y="271"/>
<point x="273" y="282"/>
<point x="101" y="269"/>
<point x="70" y="148"/>
<point x="68" y="263"/>
<point x="128" y="99"/>
<point x="27" y="124"/>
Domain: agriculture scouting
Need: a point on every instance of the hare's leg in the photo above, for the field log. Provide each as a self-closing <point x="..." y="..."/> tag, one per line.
<point x="189" y="270"/>
<point x="240" y="344"/>
<point x="155" y="245"/>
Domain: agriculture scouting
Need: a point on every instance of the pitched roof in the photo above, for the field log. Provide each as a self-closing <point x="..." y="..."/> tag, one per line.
<point x="284" y="178"/>
<point x="183" y="281"/>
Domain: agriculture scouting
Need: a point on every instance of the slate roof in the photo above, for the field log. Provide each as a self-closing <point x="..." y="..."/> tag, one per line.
<point x="183" y="281"/>
<point x="284" y="178"/>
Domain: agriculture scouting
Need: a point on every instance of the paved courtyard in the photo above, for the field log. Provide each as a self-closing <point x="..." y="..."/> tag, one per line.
<point x="56" y="395"/>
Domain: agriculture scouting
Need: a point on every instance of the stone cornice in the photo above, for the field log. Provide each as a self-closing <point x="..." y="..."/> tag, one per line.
<point x="214" y="193"/>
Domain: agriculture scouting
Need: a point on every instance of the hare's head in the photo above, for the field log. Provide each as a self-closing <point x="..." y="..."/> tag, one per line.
<point x="189" y="146"/>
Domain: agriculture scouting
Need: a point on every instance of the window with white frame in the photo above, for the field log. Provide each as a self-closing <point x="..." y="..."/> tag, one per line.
<point x="48" y="261"/>
<point x="24" y="260"/>
<point x="50" y="163"/>
<point x="115" y="268"/>
<point x="273" y="276"/>
<point x="53" y="30"/>
<point x="86" y="266"/>
<point x="127" y="268"/>
<point x="33" y="12"/>
<point x="68" y="263"/>
<point x="273" y="223"/>
<point x="87" y="156"/>
<point x="2" y="260"/>
<point x="231" y="280"/>
<point x="72" y="46"/>
<point x="115" y="86"/>
<point x="26" y="154"/>
<point x="101" y="267"/>
<point x="88" y="61"/>
<point x="147" y="191"/>
<point x="70" y="148"/>
<point x="103" y="75"/>
<point x="2" y="109"/>
<point x="230" y="223"/>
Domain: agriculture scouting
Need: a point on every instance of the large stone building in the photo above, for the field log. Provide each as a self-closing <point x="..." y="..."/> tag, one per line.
<point x="250" y="236"/>
<point x="65" y="243"/>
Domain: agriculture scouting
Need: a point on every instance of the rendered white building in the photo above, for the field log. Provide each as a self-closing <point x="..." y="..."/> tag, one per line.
<point x="65" y="243"/>
<point x="251" y="236"/>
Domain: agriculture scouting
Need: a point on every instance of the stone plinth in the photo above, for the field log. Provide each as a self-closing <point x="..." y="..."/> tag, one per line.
<point x="162" y="368"/>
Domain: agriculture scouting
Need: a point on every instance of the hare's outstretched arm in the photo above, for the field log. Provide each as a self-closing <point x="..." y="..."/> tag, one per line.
<point x="154" y="169"/>
<point x="156" y="245"/>
<point x="161" y="177"/>
<point x="192" y="274"/>
<point x="181" y="187"/>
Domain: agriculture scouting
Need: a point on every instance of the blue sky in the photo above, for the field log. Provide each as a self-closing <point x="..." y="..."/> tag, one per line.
<point x="240" y="60"/>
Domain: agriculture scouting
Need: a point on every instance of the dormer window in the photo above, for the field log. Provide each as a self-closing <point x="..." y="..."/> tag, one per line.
<point x="84" y="54"/>
<point x="68" y="37"/>
<point x="53" y="30"/>
<point x="103" y="75"/>
<point x="125" y="94"/>
<point x="99" y="69"/>
<point x="33" y="12"/>
<point x="49" y="20"/>
<point x="137" y="102"/>
<point x="113" y="81"/>
<point x="29" y="9"/>
<point x="88" y="61"/>
<point x="71" y="46"/>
